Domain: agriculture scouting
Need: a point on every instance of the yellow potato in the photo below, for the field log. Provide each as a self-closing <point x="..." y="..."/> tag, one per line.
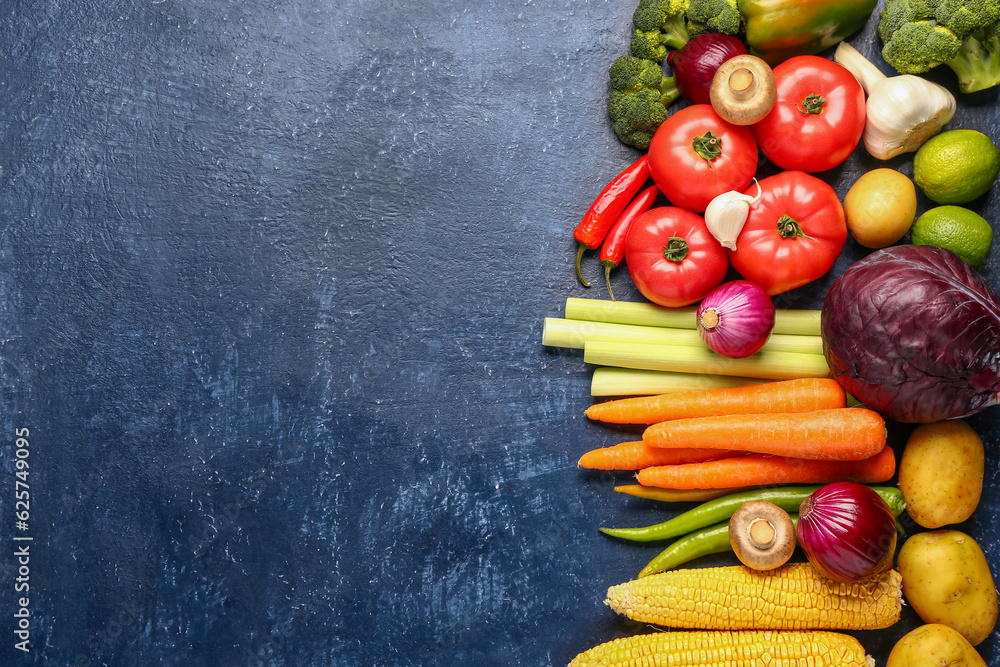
<point x="934" y="645"/>
<point x="880" y="207"/>
<point x="947" y="580"/>
<point x="941" y="473"/>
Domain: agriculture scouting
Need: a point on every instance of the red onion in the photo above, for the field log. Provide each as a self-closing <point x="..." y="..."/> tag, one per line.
<point x="695" y="63"/>
<point x="736" y="318"/>
<point x="847" y="531"/>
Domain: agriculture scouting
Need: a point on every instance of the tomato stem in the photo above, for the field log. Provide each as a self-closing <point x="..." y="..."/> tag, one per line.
<point x="708" y="146"/>
<point x="676" y="249"/>
<point x="789" y="228"/>
<point x="812" y="105"/>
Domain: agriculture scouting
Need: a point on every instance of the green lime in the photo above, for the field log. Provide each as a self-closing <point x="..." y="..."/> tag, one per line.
<point x="954" y="228"/>
<point x="957" y="166"/>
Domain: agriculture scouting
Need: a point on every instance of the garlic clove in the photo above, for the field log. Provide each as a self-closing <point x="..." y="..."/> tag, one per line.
<point x="727" y="213"/>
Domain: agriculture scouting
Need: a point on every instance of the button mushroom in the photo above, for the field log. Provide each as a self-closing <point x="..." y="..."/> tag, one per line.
<point x="762" y="535"/>
<point x="743" y="90"/>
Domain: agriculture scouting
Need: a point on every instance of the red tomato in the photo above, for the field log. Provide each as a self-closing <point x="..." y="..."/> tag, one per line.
<point x="818" y="118"/>
<point x="794" y="233"/>
<point x="672" y="257"/>
<point x="695" y="155"/>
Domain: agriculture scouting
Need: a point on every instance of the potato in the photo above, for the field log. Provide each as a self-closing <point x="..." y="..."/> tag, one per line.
<point x="947" y="580"/>
<point x="934" y="645"/>
<point x="941" y="473"/>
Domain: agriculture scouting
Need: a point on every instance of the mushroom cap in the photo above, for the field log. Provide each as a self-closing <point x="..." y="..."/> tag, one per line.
<point x="743" y="90"/>
<point x="762" y="535"/>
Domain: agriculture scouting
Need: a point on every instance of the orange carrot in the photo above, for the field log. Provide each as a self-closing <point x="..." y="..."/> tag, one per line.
<point x="676" y="495"/>
<point x="845" y="434"/>
<point x="638" y="455"/>
<point x="802" y="395"/>
<point x="759" y="469"/>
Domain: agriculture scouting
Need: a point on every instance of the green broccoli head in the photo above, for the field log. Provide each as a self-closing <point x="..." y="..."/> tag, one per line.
<point x="714" y="16"/>
<point x="963" y="18"/>
<point x="639" y="97"/>
<point x="659" y="25"/>
<point x="918" y="35"/>
<point x="919" y="46"/>
<point x="900" y="12"/>
<point x="658" y="14"/>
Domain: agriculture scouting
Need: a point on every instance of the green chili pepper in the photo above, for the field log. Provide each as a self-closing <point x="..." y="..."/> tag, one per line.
<point x="779" y="29"/>
<point x="787" y="498"/>
<point x="711" y="540"/>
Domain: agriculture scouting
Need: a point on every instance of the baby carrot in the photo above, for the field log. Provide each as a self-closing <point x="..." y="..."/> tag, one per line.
<point x="845" y="434"/>
<point x="759" y="470"/>
<point x="799" y="395"/>
<point x="638" y="455"/>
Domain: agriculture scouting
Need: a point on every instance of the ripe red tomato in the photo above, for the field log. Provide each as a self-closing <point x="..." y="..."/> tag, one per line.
<point x="818" y="118"/>
<point x="695" y="156"/>
<point x="794" y="233"/>
<point x="672" y="257"/>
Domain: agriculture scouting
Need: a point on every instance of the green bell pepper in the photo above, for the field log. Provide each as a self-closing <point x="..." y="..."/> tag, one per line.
<point x="780" y="29"/>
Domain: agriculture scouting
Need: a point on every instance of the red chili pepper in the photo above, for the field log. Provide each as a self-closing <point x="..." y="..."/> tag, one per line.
<point x="613" y="250"/>
<point x="607" y="207"/>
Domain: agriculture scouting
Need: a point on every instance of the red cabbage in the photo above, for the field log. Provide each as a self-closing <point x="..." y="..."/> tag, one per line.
<point x="914" y="333"/>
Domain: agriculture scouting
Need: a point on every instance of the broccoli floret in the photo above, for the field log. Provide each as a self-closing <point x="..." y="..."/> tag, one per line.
<point x="659" y="25"/>
<point x="919" y="46"/>
<point x="714" y="16"/>
<point x="659" y="14"/>
<point x="964" y="35"/>
<point x="639" y="98"/>
<point x="662" y="25"/>
<point x="653" y="44"/>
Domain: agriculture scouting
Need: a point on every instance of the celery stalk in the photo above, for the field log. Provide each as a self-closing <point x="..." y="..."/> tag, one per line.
<point x="630" y="312"/>
<point x="690" y="359"/>
<point x="786" y="321"/>
<point x="608" y="381"/>
<point x="575" y="333"/>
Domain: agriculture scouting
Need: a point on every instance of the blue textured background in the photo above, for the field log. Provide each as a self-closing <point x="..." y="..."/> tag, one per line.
<point x="272" y="280"/>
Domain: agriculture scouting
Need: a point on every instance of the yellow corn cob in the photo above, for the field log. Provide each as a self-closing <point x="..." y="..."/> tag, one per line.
<point x="747" y="648"/>
<point x="793" y="597"/>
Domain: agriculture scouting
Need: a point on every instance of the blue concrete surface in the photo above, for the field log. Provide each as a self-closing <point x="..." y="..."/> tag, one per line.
<point x="272" y="282"/>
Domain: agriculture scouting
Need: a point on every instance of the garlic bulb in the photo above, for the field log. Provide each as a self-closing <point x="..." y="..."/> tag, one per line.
<point x="902" y="112"/>
<point x="727" y="213"/>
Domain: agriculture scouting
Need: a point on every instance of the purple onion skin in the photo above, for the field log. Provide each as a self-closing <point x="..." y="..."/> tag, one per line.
<point x="847" y="531"/>
<point x="696" y="62"/>
<point x="745" y="318"/>
<point x="913" y="332"/>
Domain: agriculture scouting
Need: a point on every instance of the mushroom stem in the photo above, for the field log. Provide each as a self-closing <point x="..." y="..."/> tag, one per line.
<point x="741" y="83"/>
<point x="761" y="533"/>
